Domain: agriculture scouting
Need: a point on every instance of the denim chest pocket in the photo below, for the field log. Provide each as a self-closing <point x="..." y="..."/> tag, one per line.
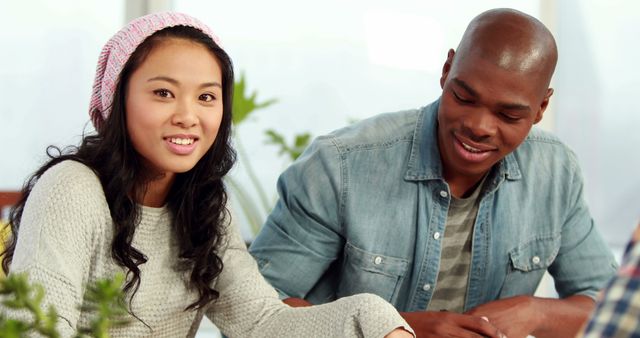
<point x="369" y="272"/>
<point x="527" y="264"/>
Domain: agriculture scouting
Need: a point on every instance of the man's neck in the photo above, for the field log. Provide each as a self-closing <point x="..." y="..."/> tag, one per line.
<point x="462" y="186"/>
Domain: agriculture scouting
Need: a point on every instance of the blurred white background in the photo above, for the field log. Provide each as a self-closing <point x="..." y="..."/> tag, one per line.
<point x="329" y="63"/>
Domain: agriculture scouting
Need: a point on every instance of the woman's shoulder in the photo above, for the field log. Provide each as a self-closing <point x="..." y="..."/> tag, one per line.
<point x="71" y="174"/>
<point x="70" y="182"/>
<point x="64" y="216"/>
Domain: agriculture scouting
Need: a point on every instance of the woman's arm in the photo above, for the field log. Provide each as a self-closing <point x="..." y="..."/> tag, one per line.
<point x="55" y="237"/>
<point x="248" y="306"/>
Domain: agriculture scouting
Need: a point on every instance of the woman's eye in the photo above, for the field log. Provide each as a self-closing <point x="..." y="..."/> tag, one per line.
<point x="165" y="93"/>
<point x="206" y="97"/>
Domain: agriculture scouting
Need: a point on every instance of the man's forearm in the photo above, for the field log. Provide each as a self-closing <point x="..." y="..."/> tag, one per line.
<point x="560" y="318"/>
<point x="520" y="316"/>
<point x="414" y="319"/>
<point x="449" y="324"/>
<point x="563" y="317"/>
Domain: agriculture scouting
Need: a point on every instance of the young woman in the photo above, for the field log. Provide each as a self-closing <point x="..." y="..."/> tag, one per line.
<point x="144" y="195"/>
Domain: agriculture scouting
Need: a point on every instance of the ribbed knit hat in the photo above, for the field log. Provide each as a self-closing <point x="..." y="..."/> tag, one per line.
<point x="119" y="48"/>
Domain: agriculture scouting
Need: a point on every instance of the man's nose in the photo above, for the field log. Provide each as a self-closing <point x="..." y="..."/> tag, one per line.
<point x="481" y="124"/>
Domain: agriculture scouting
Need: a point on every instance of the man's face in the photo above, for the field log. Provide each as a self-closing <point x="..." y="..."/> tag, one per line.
<point x="485" y="113"/>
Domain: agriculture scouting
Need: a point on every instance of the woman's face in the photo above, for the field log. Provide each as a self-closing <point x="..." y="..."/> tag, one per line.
<point x="174" y="106"/>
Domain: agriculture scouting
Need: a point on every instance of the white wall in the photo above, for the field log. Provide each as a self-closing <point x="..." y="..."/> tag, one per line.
<point x="48" y="58"/>
<point x="597" y="108"/>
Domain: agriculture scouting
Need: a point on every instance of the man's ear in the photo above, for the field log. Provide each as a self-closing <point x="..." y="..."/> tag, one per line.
<point x="543" y="105"/>
<point x="447" y="67"/>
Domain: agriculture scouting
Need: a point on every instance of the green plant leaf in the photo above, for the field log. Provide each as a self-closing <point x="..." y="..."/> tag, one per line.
<point x="293" y="151"/>
<point x="245" y="104"/>
<point x="105" y="299"/>
<point x="24" y="296"/>
<point x="273" y="137"/>
<point x="247" y="205"/>
<point x="10" y="328"/>
<point x="302" y="140"/>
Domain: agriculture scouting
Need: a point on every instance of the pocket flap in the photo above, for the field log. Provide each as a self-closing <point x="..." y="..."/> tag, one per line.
<point x="535" y="254"/>
<point x="386" y="265"/>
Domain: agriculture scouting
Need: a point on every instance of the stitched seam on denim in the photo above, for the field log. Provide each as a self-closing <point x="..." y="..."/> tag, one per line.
<point x="416" y="132"/>
<point x="343" y="182"/>
<point x="483" y="220"/>
<point x="395" y="260"/>
<point x="537" y="238"/>
<point x="542" y="139"/>
<point x="541" y="238"/>
<point x="571" y="156"/>
<point x="373" y="146"/>
<point x="424" y="261"/>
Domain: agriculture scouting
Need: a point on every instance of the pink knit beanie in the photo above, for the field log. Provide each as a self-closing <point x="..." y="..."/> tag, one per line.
<point x="119" y="48"/>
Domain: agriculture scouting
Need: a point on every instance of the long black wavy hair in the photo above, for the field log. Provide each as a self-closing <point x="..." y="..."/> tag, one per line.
<point x="197" y="199"/>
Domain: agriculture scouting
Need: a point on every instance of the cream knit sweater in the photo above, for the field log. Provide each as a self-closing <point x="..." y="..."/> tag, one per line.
<point x="65" y="243"/>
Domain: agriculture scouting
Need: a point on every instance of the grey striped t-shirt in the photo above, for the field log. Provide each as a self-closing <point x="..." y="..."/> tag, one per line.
<point x="455" y="258"/>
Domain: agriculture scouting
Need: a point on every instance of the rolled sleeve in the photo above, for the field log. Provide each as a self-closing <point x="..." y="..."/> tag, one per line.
<point x="584" y="263"/>
<point x="303" y="236"/>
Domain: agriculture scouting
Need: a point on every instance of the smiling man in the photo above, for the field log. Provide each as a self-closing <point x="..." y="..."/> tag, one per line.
<point x="451" y="212"/>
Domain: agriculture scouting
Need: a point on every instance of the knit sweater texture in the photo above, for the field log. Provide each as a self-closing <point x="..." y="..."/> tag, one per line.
<point x="64" y="244"/>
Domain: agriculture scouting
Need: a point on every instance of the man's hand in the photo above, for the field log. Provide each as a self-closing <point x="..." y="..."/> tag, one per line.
<point x="296" y="302"/>
<point x="521" y="316"/>
<point x="517" y="317"/>
<point x="448" y="324"/>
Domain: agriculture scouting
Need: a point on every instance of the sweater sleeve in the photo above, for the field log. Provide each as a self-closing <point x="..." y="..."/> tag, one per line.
<point x="54" y="244"/>
<point x="249" y="307"/>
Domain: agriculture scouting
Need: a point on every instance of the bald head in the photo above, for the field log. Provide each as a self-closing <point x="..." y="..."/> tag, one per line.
<point x="511" y="40"/>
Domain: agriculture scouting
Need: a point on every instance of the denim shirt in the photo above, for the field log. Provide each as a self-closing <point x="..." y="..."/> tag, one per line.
<point x="364" y="210"/>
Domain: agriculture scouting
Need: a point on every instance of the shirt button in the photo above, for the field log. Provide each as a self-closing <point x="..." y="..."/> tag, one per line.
<point x="444" y="193"/>
<point x="426" y="287"/>
<point x="436" y="235"/>
<point x="377" y="260"/>
<point x="535" y="260"/>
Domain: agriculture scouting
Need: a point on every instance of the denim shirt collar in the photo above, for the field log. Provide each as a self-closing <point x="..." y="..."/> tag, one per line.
<point x="425" y="163"/>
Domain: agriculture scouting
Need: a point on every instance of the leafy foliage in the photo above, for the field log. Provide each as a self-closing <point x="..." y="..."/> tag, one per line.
<point x="245" y="104"/>
<point x="300" y="143"/>
<point x="22" y="296"/>
<point x="104" y="298"/>
<point x="256" y="206"/>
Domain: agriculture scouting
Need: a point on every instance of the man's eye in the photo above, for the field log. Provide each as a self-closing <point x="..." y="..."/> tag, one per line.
<point x="206" y="97"/>
<point x="460" y="99"/>
<point x="163" y="93"/>
<point x="510" y="118"/>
